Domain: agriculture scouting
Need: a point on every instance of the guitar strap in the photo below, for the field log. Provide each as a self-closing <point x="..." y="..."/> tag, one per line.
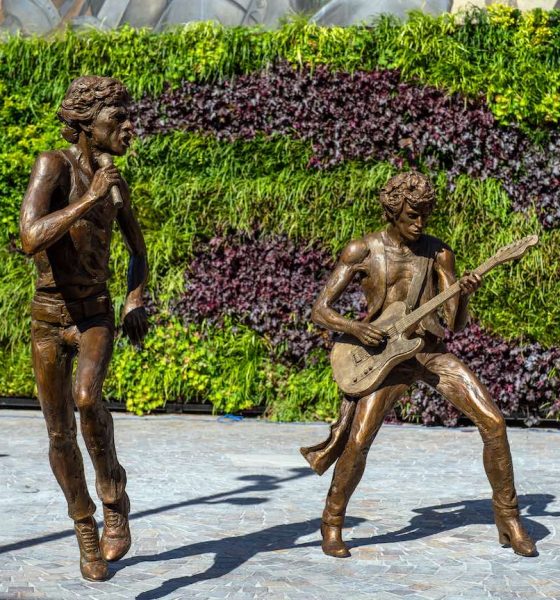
<point x="378" y="269"/>
<point x="424" y="262"/>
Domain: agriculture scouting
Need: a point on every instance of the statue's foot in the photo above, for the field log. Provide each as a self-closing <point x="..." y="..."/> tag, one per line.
<point x="332" y="541"/>
<point x="92" y="565"/>
<point x="512" y="533"/>
<point x="115" y="541"/>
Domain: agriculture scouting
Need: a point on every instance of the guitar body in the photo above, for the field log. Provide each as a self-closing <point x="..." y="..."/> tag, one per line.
<point x="359" y="370"/>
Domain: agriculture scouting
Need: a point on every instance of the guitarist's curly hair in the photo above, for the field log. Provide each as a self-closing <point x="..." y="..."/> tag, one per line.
<point x="412" y="187"/>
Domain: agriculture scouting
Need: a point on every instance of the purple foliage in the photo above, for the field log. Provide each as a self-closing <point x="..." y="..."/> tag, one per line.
<point x="367" y="115"/>
<point x="267" y="283"/>
<point x="519" y="377"/>
<point x="430" y="408"/>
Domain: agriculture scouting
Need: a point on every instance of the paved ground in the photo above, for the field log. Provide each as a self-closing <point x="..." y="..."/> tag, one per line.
<point x="229" y="510"/>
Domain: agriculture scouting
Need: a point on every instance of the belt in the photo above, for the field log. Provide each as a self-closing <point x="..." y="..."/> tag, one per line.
<point x="69" y="313"/>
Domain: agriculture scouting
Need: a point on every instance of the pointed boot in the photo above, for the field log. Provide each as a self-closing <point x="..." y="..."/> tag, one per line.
<point x="332" y="541"/>
<point x="512" y="533"/>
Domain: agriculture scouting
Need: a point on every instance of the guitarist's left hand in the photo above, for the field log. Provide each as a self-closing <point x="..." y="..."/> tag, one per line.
<point x="469" y="283"/>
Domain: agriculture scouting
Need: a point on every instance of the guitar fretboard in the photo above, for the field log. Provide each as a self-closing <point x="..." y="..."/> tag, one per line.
<point x="417" y="315"/>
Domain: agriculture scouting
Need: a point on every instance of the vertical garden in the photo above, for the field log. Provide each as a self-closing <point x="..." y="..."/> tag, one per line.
<point x="259" y="154"/>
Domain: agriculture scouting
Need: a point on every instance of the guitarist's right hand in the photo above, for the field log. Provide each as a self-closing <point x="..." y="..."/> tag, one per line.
<point x="367" y="333"/>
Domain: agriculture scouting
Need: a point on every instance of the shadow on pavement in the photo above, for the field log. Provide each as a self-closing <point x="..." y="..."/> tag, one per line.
<point x="255" y="483"/>
<point x="432" y="520"/>
<point x="230" y="553"/>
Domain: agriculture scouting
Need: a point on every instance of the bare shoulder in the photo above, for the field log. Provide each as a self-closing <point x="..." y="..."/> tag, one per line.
<point x="444" y="255"/>
<point x="50" y="164"/>
<point x="354" y="253"/>
<point x="52" y="158"/>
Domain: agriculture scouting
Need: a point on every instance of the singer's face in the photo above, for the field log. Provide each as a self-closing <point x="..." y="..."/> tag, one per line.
<point x="112" y="131"/>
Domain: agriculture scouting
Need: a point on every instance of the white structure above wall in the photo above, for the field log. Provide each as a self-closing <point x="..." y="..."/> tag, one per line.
<point x="42" y="16"/>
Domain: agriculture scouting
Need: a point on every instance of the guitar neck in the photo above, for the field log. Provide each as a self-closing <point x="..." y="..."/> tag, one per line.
<point x="417" y="315"/>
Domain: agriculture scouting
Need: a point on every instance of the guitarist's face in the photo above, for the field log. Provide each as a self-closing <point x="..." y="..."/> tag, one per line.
<point x="411" y="222"/>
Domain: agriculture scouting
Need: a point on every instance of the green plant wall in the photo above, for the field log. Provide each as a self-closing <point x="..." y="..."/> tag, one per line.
<point x="186" y="186"/>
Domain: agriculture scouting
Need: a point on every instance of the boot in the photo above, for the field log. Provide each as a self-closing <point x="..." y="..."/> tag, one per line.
<point x="92" y="565"/>
<point x="332" y="541"/>
<point x="512" y="533"/>
<point x="115" y="541"/>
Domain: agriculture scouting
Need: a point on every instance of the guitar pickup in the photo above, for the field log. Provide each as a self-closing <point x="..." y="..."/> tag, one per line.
<point x="359" y="355"/>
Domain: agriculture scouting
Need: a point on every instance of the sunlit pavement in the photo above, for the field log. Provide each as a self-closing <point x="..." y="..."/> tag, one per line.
<point x="227" y="509"/>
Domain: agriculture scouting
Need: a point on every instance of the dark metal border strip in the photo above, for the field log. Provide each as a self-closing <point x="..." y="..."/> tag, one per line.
<point x="206" y="409"/>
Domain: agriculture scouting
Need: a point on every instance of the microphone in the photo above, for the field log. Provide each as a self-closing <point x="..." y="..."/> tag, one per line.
<point x="106" y="160"/>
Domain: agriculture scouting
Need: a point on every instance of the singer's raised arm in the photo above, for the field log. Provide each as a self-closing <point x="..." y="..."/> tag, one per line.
<point x="40" y="226"/>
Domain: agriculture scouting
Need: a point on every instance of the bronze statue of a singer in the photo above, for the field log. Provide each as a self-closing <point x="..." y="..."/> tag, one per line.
<point x="405" y="275"/>
<point x="73" y="198"/>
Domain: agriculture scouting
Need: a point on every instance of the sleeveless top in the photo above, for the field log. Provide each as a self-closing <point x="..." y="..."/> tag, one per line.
<point x="81" y="256"/>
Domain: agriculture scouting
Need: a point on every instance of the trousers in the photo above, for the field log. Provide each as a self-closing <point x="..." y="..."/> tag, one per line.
<point x="56" y="340"/>
<point x="459" y="385"/>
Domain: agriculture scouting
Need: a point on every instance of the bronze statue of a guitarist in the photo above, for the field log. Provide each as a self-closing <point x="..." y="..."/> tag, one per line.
<point x="405" y="268"/>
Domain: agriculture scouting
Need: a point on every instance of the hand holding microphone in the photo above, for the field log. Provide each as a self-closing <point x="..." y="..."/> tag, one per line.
<point x="106" y="160"/>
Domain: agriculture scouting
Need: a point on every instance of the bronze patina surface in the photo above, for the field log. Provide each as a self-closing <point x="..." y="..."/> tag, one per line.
<point x="402" y="264"/>
<point x="66" y="223"/>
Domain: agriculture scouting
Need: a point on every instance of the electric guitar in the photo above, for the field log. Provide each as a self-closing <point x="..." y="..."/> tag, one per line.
<point x="359" y="369"/>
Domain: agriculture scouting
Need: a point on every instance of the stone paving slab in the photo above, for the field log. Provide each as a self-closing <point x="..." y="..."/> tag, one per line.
<point x="225" y="509"/>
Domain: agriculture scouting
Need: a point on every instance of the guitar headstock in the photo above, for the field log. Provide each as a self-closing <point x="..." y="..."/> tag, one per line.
<point x="515" y="249"/>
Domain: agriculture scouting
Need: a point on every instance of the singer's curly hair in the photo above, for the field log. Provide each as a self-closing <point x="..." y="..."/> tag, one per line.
<point x="84" y="99"/>
<point x="412" y="187"/>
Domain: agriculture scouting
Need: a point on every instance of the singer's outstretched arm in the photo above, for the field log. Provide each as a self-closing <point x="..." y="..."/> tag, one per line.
<point x="39" y="227"/>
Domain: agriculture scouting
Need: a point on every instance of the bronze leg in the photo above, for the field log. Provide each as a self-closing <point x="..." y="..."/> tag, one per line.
<point x="349" y="469"/>
<point x="52" y="364"/>
<point x="95" y="349"/>
<point x="458" y="384"/>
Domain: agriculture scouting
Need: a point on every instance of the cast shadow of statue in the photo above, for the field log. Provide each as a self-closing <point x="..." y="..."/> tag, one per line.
<point x="237" y="497"/>
<point x="431" y="520"/>
<point x="231" y="552"/>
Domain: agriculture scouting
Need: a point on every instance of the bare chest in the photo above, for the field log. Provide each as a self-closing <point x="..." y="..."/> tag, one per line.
<point x="401" y="268"/>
